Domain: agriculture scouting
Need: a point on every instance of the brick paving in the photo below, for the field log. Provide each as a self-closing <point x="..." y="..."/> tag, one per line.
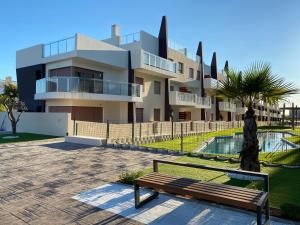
<point x="38" y="179"/>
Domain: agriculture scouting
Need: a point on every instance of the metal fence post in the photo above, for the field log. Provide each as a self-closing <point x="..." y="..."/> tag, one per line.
<point x="140" y="130"/>
<point x="132" y="133"/>
<point x="181" y="137"/>
<point x="172" y="126"/>
<point x="293" y="116"/>
<point x="74" y="122"/>
<point x="107" y="131"/>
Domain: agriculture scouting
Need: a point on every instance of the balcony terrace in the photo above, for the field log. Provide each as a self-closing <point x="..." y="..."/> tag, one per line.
<point x="86" y="88"/>
<point x="188" y="99"/>
<point x="227" y="106"/>
<point x="211" y="84"/>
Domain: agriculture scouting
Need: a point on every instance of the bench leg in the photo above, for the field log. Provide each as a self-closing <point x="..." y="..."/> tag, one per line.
<point x="136" y="195"/>
<point x="258" y="215"/>
<point x="267" y="210"/>
<point x="137" y="200"/>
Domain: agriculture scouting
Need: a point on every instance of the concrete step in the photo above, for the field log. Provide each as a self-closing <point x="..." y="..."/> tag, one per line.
<point x="85" y="140"/>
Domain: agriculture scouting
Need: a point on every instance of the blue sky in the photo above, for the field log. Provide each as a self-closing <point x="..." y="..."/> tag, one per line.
<point x="240" y="31"/>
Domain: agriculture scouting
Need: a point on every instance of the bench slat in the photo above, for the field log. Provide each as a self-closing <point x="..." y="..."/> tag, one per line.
<point x="207" y="191"/>
<point x="209" y="188"/>
<point x="237" y="190"/>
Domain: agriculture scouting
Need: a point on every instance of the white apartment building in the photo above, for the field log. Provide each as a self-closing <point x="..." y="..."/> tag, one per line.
<point x="136" y="77"/>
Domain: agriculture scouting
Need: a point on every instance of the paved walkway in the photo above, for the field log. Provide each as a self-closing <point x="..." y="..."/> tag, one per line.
<point x="38" y="180"/>
<point x="166" y="209"/>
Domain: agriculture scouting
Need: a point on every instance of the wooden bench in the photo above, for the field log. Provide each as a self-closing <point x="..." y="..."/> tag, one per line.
<point x="219" y="193"/>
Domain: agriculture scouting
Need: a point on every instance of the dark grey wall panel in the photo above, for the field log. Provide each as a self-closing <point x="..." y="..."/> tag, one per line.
<point x="130" y="80"/>
<point x="163" y="52"/>
<point x="26" y="78"/>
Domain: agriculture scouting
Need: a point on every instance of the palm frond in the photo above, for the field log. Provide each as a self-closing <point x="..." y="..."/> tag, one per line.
<point x="256" y="83"/>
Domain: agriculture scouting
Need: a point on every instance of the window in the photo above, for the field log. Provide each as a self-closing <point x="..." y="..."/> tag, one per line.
<point x="140" y="81"/>
<point x="75" y="72"/>
<point x="172" y="88"/>
<point x="180" y="67"/>
<point x="198" y="75"/>
<point x="157" y="87"/>
<point x="139" y="114"/>
<point x="156" y="114"/>
<point x="191" y="73"/>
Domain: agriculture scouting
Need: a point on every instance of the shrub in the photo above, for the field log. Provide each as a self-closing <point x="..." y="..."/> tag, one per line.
<point x="290" y="211"/>
<point x="129" y="177"/>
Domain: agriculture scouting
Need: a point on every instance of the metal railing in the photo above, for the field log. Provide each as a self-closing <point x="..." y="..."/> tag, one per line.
<point x="59" y="47"/>
<point x="87" y="85"/>
<point x="203" y="101"/>
<point x="227" y="106"/>
<point x="130" y="38"/>
<point x="211" y="83"/>
<point x="159" y="62"/>
<point x="179" y="48"/>
<point x="182" y="98"/>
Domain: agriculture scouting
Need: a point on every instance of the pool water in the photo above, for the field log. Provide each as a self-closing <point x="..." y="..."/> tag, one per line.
<point x="268" y="142"/>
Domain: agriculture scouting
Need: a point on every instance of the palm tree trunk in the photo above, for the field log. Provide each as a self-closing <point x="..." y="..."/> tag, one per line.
<point x="250" y="151"/>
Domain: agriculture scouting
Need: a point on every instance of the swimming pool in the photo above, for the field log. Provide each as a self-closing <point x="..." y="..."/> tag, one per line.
<point x="268" y="142"/>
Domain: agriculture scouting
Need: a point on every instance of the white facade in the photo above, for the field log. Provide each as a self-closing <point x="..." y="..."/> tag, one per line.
<point x="100" y="79"/>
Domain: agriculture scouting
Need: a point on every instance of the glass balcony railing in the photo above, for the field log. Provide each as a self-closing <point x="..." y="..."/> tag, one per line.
<point x="186" y="97"/>
<point x="129" y="38"/>
<point x="211" y="83"/>
<point x="159" y="62"/>
<point x="87" y="85"/>
<point x="59" y="47"/>
<point x="203" y="101"/>
<point x="227" y="106"/>
<point x="189" y="99"/>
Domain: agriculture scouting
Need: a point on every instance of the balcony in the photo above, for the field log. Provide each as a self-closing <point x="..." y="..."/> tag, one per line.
<point x="256" y="112"/>
<point x="86" y="88"/>
<point x="188" y="99"/>
<point x="211" y="84"/>
<point x="263" y="113"/>
<point x="240" y="109"/>
<point x="227" y="106"/>
<point x="203" y="102"/>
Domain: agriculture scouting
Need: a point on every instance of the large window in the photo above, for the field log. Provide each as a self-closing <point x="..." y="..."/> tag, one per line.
<point x="75" y="72"/>
<point x="156" y="114"/>
<point x="139" y="113"/>
<point x="157" y="87"/>
<point x="140" y="81"/>
<point x="180" y="67"/>
<point x="191" y="73"/>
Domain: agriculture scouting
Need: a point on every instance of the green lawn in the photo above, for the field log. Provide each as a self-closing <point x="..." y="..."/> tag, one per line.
<point x="191" y="143"/>
<point x="23" y="137"/>
<point x="284" y="183"/>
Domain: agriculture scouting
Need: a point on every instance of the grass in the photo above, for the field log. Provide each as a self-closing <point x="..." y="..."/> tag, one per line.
<point x="24" y="137"/>
<point x="284" y="182"/>
<point x="191" y="143"/>
<point x="284" y="185"/>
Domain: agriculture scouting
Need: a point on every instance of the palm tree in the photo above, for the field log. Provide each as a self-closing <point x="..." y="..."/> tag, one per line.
<point x="256" y="83"/>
